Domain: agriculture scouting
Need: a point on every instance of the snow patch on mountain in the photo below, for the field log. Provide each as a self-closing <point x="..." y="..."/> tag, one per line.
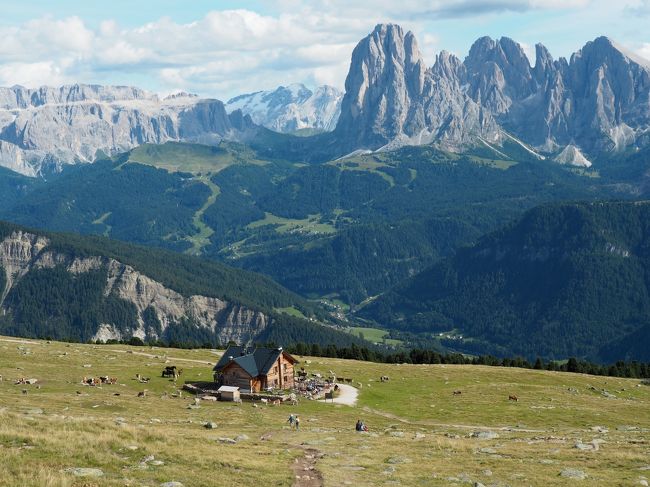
<point x="291" y="108"/>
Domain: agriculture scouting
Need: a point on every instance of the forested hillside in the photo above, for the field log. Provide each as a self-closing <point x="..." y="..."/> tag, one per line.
<point x="566" y="280"/>
<point x="73" y="287"/>
<point x="346" y="229"/>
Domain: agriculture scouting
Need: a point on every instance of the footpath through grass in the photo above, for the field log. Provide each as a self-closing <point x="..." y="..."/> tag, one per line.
<point x="420" y="432"/>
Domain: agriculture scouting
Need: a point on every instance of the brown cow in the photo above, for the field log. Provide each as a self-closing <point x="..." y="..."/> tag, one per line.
<point x="512" y="397"/>
<point x="457" y="393"/>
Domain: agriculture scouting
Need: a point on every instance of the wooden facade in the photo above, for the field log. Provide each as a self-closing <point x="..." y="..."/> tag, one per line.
<point x="275" y="370"/>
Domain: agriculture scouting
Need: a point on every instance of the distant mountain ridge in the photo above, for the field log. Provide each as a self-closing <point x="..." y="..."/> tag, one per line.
<point x="291" y="108"/>
<point x="572" y="112"/>
<point x="598" y="102"/>
<point x="46" y="127"/>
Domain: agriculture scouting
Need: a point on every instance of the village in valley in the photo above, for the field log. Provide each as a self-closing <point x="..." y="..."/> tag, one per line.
<point x="82" y="414"/>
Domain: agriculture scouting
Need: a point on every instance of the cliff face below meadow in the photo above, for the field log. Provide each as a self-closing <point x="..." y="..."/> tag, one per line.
<point x="154" y="307"/>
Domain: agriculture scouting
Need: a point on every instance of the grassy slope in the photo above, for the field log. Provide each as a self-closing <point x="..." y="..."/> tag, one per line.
<point x="536" y="442"/>
<point x="192" y="158"/>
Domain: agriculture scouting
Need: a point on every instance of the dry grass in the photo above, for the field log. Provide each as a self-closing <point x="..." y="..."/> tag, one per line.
<point x="420" y="432"/>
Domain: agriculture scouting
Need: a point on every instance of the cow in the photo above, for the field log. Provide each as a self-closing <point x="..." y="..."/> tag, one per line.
<point x="385" y="378"/>
<point x="512" y="397"/>
<point x="457" y="393"/>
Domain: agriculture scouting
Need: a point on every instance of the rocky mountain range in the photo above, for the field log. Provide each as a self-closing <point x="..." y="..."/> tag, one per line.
<point x="570" y="111"/>
<point x="597" y="102"/>
<point x="43" y="128"/>
<point x="291" y="108"/>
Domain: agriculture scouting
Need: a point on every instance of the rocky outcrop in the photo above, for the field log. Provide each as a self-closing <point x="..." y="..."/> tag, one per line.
<point x="392" y="99"/>
<point x="22" y="252"/>
<point x="44" y="128"/>
<point x="291" y="108"/>
<point x="599" y="101"/>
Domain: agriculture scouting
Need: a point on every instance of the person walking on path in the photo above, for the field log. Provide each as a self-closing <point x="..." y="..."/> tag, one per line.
<point x="297" y="422"/>
<point x="291" y="420"/>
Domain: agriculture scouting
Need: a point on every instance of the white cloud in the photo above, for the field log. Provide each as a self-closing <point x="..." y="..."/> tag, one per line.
<point x="229" y="52"/>
<point x="644" y="51"/>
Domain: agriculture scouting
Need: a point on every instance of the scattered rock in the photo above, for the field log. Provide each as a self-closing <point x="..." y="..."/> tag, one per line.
<point x="487" y="472"/>
<point x="34" y="411"/>
<point x="397" y="434"/>
<point x="398" y="460"/>
<point x="156" y="463"/>
<point x="484" y="435"/>
<point x="241" y="437"/>
<point x="389" y="470"/>
<point x="229" y="441"/>
<point x="132" y="447"/>
<point x="643" y="482"/>
<point x="573" y="473"/>
<point x="599" y="429"/>
<point x="418" y="436"/>
<point x="84" y="472"/>
<point x="210" y="425"/>
<point x="463" y="477"/>
<point x="171" y="484"/>
<point x="489" y="451"/>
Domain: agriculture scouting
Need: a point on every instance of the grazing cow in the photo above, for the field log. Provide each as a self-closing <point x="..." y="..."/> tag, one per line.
<point x="457" y="393"/>
<point x="142" y="393"/>
<point x="264" y="400"/>
<point x="385" y="378"/>
<point x="276" y="402"/>
<point x="512" y="397"/>
<point x="24" y="391"/>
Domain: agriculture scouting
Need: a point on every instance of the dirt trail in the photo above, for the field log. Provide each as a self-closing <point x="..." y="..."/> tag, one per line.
<point x="347" y="395"/>
<point x="113" y="350"/>
<point x="304" y="469"/>
<point x="449" y="425"/>
<point x="158" y="356"/>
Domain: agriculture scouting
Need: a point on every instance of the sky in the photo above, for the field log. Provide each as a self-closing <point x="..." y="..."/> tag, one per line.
<point x="224" y="48"/>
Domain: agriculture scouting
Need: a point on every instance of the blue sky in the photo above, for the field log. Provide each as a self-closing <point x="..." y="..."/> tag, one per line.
<point x="223" y="48"/>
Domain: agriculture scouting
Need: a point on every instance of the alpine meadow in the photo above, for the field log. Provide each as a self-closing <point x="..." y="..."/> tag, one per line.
<point x="417" y="258"/>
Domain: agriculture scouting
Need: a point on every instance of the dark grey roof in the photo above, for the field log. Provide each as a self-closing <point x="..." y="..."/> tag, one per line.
<point x="232" y="351"/>
<point x="254" y="362"/>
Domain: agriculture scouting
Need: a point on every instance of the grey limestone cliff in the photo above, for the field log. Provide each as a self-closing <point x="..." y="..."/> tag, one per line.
<point x="596" y="103"/>
<point x="22" y="252"/>
<point x="47" y="127"/>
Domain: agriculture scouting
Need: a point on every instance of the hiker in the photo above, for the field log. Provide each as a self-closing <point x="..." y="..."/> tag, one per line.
<point x="360" y="426"/>
<point x="291" y="420"/>
<point x="297" y="423"/>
